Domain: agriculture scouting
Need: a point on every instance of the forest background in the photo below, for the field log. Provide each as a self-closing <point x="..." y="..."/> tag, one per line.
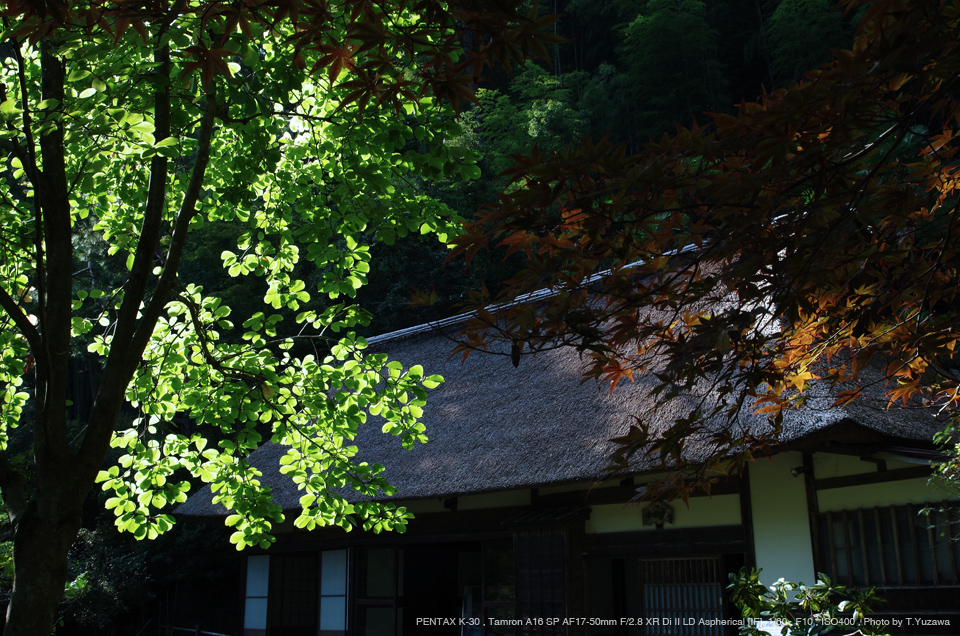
<point x="631" y="71"/>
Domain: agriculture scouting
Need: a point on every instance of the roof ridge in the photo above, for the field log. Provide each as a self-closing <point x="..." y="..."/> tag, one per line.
<point x="539" y="294"/>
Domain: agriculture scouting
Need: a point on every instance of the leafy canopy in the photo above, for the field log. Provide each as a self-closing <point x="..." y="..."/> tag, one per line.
<point x="307" y="126"/>
<point x="802" y="240"/>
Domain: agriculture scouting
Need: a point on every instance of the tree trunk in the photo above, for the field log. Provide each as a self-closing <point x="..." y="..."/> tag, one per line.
<point x="40" y="549"/>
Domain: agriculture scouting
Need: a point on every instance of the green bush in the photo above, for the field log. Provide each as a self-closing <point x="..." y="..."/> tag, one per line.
<point x="803" y="610"/>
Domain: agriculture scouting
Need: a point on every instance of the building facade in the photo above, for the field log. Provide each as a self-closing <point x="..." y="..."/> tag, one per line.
<point x="514" y="535"/>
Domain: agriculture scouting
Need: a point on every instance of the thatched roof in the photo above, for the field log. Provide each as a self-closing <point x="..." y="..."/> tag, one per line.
<point x="495" y="427"/>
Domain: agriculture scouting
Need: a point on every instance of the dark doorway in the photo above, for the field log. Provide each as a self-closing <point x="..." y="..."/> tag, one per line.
<point x="430" y="590"/>
<point x="440" y="584"/>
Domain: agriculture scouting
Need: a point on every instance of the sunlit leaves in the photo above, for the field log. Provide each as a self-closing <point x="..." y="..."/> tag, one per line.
<point x="315" y="407"/>
<point x="800" y="608"/>
<point x="310" y="162"/>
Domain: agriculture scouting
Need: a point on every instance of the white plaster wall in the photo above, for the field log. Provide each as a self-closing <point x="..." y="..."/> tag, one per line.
<point x="721" y="510"/>
<point x="891" y="493"/>
<point x="781" y="529"/>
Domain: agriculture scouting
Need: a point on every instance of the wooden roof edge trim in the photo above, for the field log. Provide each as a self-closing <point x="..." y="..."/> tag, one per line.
<point x="533" y="296"/>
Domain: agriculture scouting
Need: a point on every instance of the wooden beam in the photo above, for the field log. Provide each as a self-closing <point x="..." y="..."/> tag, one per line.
<point x="746" y="519"/>
<point x="864" y="553"/>
<point x="620" y="494"/>
<point x="813" y="504"/>
<point x="666" y="543"/>
<point x="847" y="547"/>
<point x="896" y="543"/>
<point x="861" y="479"/>
<point x="878" y="519"/>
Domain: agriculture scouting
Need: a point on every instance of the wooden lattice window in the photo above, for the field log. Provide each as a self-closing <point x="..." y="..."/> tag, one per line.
<point x="892" y="546"/>
<point x="294" y="589"/>
<point x="682" y="596"/>
<point x="541" y="579"/>
<point x="498" y="591"/>
<point x="379" y="590"/>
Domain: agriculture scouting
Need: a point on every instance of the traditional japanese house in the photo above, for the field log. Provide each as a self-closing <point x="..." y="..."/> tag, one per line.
<point x="514" y="535"/>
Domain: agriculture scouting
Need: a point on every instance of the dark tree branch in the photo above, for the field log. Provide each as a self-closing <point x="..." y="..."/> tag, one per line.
<point x="205" y="349"/>
<point x="12" y="309"/>
<point x="123" y="356"/>
<point x="135" y="289"/>
<point x="178" y="239"/>
<point x="121" y="364"/>
<point x="57" y="237"/>
<point x="29" y="160"/>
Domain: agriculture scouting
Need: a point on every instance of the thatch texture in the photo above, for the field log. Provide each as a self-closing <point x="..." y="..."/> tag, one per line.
<point x="495" y="427"/>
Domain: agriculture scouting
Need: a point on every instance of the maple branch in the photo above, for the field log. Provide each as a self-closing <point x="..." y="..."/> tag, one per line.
<point x="933" y="267"/>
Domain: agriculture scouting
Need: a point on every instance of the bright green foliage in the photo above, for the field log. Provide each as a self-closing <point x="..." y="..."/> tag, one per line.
<point x="803" y="610"/>
<point x="14" y="354"/>
<point x="6" y="563"/>
<point x="537" y="108"/>
<point x="294" y="163"/>
<point x="314" y="406"/>
<point x="548" y="113"/>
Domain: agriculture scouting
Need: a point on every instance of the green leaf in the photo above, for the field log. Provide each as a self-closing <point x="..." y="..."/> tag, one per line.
<point x="470" y="172"/>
